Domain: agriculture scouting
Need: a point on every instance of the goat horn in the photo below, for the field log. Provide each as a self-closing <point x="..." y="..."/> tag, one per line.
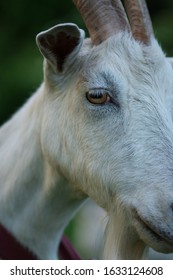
<point x="139" y="19"/>
<point x="103" y="18"/>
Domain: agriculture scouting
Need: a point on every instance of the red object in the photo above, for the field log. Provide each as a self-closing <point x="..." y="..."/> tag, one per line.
<point x="11" y="249"/>
<point x="66" y="250"/>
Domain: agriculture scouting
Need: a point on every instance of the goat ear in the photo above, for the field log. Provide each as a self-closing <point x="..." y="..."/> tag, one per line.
<point x="58" y="42"/>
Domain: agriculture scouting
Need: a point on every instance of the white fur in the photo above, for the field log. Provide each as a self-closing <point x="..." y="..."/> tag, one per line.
<point x="60" y="149"/>
<point x="170" y="59"/>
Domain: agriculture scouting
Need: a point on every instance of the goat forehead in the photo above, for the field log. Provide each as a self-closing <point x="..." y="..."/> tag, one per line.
<point x="124" y="55"/>
<point x="129" y="66"/>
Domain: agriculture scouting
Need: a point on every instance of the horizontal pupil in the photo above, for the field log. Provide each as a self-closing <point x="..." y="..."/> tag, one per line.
<point x="96" y="95"/>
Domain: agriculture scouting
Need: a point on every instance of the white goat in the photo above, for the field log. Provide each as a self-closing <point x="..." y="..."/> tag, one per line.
<point x="99" y="126"/>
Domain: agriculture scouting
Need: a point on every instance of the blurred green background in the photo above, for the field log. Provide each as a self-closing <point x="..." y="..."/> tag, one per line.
<point x="20" y="60"/>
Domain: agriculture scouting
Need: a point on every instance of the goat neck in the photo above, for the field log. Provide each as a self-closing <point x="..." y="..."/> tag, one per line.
<point x="30" y="185"/>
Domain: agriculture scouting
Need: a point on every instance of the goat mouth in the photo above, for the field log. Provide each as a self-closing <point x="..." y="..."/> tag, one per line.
<point x="153" y="236"/>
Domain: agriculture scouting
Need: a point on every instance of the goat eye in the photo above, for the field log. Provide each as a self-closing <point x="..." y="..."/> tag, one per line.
<point x="98" y="96"/>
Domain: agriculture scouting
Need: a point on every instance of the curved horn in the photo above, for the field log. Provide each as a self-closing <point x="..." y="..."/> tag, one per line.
<point x="139" y="19"/>
<point x="103" y="18"/>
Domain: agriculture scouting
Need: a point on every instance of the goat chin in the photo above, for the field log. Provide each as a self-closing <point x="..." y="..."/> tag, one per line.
<point x="121" y="239"/>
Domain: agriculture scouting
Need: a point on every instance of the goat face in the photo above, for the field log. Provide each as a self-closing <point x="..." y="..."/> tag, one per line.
<point x="108" y="126"/>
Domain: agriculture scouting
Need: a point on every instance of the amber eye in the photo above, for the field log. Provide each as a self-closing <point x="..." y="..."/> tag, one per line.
<point x="98" y="96"/>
